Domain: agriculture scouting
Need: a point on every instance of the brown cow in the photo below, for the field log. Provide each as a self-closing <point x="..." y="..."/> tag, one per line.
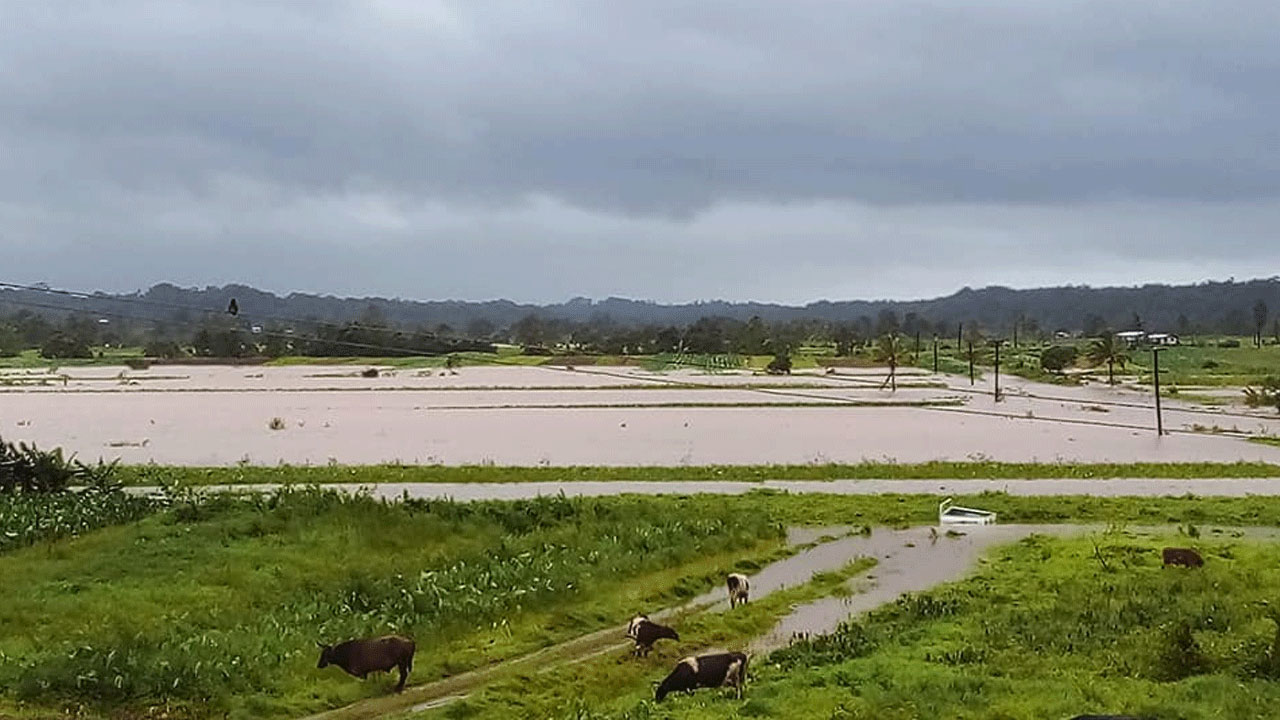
<point x="361" y="657"/>
<point x="1185" y="557"/>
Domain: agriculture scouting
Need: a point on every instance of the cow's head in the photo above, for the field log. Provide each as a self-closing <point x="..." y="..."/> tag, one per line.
<point x="325" y="655"/>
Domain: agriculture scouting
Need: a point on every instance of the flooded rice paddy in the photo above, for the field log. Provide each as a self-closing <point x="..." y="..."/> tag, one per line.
<point x="219" y="415"/>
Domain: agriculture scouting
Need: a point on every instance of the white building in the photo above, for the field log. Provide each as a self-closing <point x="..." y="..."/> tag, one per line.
<point x="1131" y="337"/>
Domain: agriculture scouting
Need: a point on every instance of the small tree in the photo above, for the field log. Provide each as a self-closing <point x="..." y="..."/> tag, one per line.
<point x="1107" y="349"/>
<point x="1057" y="358"/>
<point x="1268" y="393"/>
<point x="890" y="350"/>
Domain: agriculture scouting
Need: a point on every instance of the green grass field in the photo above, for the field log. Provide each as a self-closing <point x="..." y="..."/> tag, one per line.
<point x="102" y="356"/>
<point x="1211" y="366"/>
<point x="148" y="475"/>
<point x="212" y="607"/>
<point x="1045" y="630"/>
<point x="1049" y="630"/>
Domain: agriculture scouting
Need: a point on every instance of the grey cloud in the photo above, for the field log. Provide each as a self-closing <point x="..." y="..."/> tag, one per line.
<point x="220" y="138"/>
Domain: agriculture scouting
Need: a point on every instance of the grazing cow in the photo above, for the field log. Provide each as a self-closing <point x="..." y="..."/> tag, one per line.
<point x="1186" y="557"/>
<point x="739" y="588"/>
<point x="361" y="657"/>
<point x="728" y="669"/>
<point x="644" y="632"/>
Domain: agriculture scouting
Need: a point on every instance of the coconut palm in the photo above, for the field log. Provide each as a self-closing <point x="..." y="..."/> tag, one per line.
<point x="1107" y="349"/>
<point x="890" y="350"/>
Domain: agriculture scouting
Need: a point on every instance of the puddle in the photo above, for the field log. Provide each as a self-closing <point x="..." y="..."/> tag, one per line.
<point x="910" y="560"/>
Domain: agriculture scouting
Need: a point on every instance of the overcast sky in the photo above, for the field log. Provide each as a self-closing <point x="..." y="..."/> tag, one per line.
<point x="674" y="151"/>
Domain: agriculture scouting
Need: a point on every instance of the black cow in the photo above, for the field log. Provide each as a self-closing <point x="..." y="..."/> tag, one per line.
<point x="728" y="669"/>
<point x="644" y="632"/>
<point x="361" y="657"/>
<point x="739" y="588"/>
<point x="1186" y="557"/>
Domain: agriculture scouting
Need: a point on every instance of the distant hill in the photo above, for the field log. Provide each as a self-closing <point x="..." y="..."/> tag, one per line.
<point x="1226" y="307"/>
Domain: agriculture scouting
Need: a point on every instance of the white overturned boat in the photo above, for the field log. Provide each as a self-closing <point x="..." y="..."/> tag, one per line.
<point x="951" y="514"/>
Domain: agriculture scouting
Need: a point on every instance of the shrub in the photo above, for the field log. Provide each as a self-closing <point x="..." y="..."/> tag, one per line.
<point x="26" y="468"/>
<point x="276" y="423"/>
<point x="61" y="345"/>
<point x="1057" y="358"/>
<point x="1229" y="343"/>
<point x="164" y="349"/>
<point x="779" y="365"/>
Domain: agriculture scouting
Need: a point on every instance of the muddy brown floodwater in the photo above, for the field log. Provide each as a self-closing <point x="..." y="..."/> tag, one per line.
<point x="220" y="416"/>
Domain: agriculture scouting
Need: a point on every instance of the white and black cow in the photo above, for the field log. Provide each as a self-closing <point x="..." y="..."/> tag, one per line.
<point x="728" y="669"/>
<point x="644" y="632"/>
<point x="739" y="588"/>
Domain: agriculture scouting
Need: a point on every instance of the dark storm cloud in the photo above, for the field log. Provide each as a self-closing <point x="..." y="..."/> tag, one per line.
<point x="272" y="142"/>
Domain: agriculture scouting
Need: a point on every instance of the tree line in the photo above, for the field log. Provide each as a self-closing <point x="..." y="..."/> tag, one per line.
<point x="171" y="321"/>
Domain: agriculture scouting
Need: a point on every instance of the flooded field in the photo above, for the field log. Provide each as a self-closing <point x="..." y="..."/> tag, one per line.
<point x="596" y="416"/>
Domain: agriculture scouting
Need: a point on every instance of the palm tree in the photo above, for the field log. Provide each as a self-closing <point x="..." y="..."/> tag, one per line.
<point x="1106" y="349"/>
<point x="889" y="350"/>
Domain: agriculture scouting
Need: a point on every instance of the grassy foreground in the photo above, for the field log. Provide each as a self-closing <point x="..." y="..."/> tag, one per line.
<point x="213" y="609"/>
<point x="365" y="474"/>
<point x="1048" y="629"/>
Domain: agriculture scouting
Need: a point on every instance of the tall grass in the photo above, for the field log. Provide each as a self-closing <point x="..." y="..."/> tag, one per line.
<point x="26" y="518"/>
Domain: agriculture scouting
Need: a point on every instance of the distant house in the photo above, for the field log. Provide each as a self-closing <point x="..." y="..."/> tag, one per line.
<point x="1131" y="337"/>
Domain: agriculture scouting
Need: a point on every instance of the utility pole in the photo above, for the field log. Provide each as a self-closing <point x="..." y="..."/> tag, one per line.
<point x="959" y="334"/>
<point x="997" y="344"/>
<point x="935" y="354"/>
<point x="917" y="343"/>
<point x="1155" y="378"/>
<point x="970" y="362"/>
